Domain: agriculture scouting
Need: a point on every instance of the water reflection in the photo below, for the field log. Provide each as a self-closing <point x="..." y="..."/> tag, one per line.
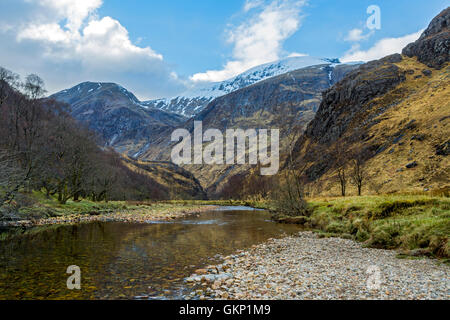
<point x="120" y="260"/>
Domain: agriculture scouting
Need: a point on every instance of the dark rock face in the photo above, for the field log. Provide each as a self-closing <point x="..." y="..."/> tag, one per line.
<point x="433" y="47"/>
<point x="264" y="104"/>
<point x="348" y="98"/>
<point x="115" y="113"/>
<point x="412" y="165"/>
<point x="296" y="93"/>
<point x="443" y="149"/>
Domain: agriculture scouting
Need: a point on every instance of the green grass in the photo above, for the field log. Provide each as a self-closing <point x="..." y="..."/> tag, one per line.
<point x="43" y="207"/>
<point x="408" y="222"/>
<point x="388" y="222"/>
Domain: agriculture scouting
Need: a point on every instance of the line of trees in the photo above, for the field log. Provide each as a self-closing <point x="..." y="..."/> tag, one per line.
<point x="43" y="148"/>
<point x="350" y="169"/>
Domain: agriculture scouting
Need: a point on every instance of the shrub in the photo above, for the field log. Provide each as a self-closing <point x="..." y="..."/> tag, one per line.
<point x="336" y="227"/>
<point x="362" y="236"/>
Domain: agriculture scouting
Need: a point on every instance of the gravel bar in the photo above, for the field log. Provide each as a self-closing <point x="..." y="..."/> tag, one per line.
<point x="306" y="267"/>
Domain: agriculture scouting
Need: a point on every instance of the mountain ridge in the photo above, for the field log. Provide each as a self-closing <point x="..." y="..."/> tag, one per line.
<point x="115" y="113"/>
<point x="391" y="116"/>
<point x="194" y="101"/>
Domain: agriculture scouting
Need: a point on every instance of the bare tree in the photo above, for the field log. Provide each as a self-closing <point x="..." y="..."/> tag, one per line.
<point x="358" y="176"/>
<point x="342" y="177"/>
<point x="8" y="82"/>
<point x="34" y="87"/>
<point x="341" y="164"/>
<point x="289" y="195"/>
<point x="12" y="177"/>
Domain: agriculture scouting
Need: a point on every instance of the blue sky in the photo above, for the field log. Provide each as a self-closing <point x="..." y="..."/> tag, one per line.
<point x="190" y="34"/>
<point x="161" y="48"/>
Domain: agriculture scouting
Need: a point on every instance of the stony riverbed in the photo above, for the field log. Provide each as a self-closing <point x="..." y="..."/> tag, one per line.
<point x="307" y="267"/>
<point x="144" y="215"/>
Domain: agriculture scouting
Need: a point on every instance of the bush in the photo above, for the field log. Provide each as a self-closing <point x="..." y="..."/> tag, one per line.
<point x="362" y="236"/>
<point x="336" y="227"/>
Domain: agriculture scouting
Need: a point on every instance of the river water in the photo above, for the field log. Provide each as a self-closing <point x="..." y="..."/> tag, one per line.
<point x="125" y="260"/>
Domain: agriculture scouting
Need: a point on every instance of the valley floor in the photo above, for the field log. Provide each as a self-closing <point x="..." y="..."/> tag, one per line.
<point x="50" y="213"/>
<point x="306" y="266"/>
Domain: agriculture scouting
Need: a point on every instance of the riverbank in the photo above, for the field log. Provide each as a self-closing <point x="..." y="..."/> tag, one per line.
<point x="309" y="267"/>
<point x="416" y="224"/>
<point x="85" y="212"/>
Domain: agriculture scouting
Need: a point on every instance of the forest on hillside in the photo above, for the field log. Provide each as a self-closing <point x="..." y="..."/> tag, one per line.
<point x="43" y="149"/>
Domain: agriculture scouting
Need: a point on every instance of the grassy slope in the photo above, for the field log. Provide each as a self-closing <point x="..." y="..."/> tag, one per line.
<point x="416" y="224"/>
<point x="179" y="182"/>
<point x="409" y="131"/>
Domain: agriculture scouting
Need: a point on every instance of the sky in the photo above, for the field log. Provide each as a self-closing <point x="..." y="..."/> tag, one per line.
<point x="159" y="49"/>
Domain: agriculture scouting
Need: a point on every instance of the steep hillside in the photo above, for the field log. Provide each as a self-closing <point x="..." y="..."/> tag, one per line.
<point x="433" y="47"/>
<point x="194" y="101"/>
<point x="116" y="114"/>
<point x="393" y="115"/>
<point x="175" y="181"/>
<point x="267" y="104"/>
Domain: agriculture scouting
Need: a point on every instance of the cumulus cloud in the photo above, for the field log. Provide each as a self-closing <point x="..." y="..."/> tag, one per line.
<point x="382" y="48"/>
<point x="251" y="4"/>
<point x="356" y="35"/>
<point x="66" y="42"/>
<point x="259" y="39"/>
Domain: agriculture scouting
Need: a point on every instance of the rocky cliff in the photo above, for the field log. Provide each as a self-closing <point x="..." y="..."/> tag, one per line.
<point x="393" y="114"/>
<point x="433" y="47"/>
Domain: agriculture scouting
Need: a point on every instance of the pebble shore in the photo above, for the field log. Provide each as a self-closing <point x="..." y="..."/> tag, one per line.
<point x="135" y="216"/>
<point x="306" y="267"/>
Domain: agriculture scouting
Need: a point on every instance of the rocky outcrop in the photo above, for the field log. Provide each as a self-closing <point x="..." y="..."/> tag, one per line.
<point x="348" y="98"/>
<point x="433" y="47"/>
<point x="368" y="116"/>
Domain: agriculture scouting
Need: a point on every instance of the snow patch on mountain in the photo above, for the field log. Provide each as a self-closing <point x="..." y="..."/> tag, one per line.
<point x="197" y="98"/>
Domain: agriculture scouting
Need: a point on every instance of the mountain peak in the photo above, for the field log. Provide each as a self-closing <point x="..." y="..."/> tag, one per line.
<point x="195" y="100"/>
<point x="433" y="46"/>
<point x="96" y="90"/>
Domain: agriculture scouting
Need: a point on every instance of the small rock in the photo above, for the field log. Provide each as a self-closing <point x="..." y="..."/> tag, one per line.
<point x="412" y="165"/>
<point x="427" y="72"/>
<point x="201" y="271"/>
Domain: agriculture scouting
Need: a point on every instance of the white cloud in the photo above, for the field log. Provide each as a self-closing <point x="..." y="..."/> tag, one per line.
<point x="251" y="4"/>
<point x="356" y="35"/>
<point x="259" y="39"/>
<point x="75" y="11"/>
<point x="382" y="48"/>
<point x="66" y="42"/>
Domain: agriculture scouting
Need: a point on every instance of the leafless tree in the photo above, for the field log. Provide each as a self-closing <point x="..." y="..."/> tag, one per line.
<point x="290" y="191"/>
<point x="8" y="81"/>
<point x="341" y="163"/>
<point x="358" y="176"/>
<point x="34" y="87"/>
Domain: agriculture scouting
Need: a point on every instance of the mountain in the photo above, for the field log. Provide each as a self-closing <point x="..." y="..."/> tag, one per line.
<point x="194" y="101"/>
<point x="433" y="46"/>
<point x="170" y="179"/>
<point x="117" y="115"/>
<point x="266" y="104"/>
<point x="392" y="115"/>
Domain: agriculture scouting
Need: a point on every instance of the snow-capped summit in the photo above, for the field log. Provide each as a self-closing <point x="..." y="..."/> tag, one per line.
<point x="196" y="99"/>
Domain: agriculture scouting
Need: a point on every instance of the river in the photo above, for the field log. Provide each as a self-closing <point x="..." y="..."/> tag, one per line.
<point x="127" y="260"/>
